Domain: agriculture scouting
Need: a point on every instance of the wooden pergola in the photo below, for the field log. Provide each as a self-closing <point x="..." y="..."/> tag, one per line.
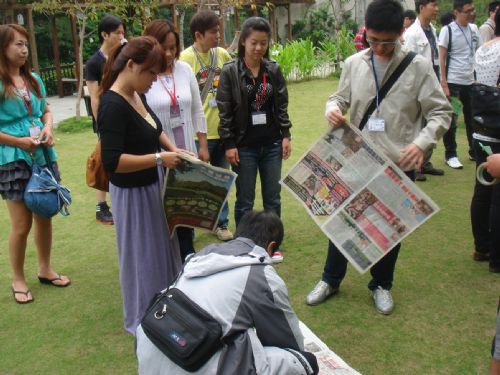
<point x="23" y="14"/>
<point x="262" y="3"/>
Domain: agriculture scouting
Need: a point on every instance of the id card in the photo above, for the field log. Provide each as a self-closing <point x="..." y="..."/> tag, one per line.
<point x="259" y="118"/>
<point x="175" y="116"/>
<point x="376" y="124"/>
<point x="35" y="132"/>
<point x="435" y="62"/>
<point x="212" y="103"/>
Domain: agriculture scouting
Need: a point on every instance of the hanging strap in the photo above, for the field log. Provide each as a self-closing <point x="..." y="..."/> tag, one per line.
<point x="211" y="75"/>
<point x="387" y="87"/>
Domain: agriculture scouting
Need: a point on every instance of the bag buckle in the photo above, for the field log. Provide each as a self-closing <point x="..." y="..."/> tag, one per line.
<point x="160" y="314"/>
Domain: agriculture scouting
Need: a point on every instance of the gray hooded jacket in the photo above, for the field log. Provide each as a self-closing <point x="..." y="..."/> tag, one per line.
<point x="237" y="285"/>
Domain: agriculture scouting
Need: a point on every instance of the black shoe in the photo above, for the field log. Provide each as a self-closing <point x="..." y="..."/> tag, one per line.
<point x="103" y="214"/>
<point x="480" y="257"/>
<point x="432" y="171"/>
<point x="420" y="176"/>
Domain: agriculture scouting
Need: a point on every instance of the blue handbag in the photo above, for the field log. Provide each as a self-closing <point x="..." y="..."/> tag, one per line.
<point x="44" y="196"/>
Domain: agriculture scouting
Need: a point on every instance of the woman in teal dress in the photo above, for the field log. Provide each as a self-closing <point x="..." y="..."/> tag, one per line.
<point x="25" y="125"/>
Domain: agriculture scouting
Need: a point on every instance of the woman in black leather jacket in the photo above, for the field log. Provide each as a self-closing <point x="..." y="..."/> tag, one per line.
<point x="253" y="99"/>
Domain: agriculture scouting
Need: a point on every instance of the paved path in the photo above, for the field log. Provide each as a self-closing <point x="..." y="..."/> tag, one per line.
<point x="63" y="108"/>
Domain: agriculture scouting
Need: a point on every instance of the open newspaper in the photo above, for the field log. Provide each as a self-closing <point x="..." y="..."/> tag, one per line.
<point x="194" y="193"/>
<point x="360" y="199"/>
<point x="329" y="363"/>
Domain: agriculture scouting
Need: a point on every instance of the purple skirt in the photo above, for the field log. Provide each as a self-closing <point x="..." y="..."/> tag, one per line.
<point x="148" y="259"/>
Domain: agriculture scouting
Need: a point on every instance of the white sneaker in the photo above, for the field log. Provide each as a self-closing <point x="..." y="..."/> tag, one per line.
<point x="454" y="163"/>
<point x="223" y="234"/>
<point x="383" y="300"/>
<point x="320" y="293"/>
<point x="277" y="257"/>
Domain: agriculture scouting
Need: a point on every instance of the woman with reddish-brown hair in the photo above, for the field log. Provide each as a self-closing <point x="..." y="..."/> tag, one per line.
<point x="175" y="98"/>
<point x="25" y="125"/>
<point x="132" y="140"/>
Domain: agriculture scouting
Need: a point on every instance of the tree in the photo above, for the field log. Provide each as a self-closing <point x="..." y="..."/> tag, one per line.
<point x="83" y="10"/>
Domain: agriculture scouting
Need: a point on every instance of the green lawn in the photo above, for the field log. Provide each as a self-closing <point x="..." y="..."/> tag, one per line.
<point x="445" y="303"/>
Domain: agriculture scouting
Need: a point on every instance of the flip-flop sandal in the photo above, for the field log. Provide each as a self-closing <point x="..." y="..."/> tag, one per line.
<point x="27" y="293"/>
<point x="45" y="280"/>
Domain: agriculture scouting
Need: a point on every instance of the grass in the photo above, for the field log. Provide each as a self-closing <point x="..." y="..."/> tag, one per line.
<point x="72" y="125"/>
<point x="445" y="303"/>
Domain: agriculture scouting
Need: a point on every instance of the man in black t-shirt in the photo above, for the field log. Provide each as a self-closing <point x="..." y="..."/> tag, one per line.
<point x="111" y="33"/>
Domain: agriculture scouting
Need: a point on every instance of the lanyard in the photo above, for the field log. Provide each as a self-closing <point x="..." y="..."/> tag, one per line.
<point x="173" y="96"/>
<point x="467" y="40"/>
<point x="202" y="64"/>
<point x="376" y="81"/>
<point x="259" y="98"/>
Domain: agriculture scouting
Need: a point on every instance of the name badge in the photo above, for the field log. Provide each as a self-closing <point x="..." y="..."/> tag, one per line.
<point x="435" y="62"/>
<point x="212" y="103"/>
<point x="376" y="124"/>
<point x="175" y="116"/>
<point x="259" y="118"/>
<point x="35" y="132"/>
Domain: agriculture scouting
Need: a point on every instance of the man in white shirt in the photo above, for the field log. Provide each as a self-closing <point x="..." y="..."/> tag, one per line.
<point x="456" y="60"/>
<point x="487" y="29"/>
<point x="421" y="38"/>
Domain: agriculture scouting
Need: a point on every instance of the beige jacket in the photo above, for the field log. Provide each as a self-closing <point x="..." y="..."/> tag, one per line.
<point x="417" y="95"/>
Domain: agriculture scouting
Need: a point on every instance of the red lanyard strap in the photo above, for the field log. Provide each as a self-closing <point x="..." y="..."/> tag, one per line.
<point x="172" y="94"/>
<point x="26" y="98"/>
<point x="259" y="98"/>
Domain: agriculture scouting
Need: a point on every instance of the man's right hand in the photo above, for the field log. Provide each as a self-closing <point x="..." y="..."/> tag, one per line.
<point x="335" y="118"/>
<point x="444" y="86"/>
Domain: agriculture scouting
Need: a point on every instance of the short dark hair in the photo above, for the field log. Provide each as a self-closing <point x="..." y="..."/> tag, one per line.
<point x="408" y="13"/>
<point x="419" y="3"/>
<point x="446" y="18"/>
<point x="253" y="24"/>
<point x="262" y="227"/>
<point x="497" y="23"/>
<point x="384" y="15"/>
<point x="160" y="29"/>
<point x="108" y="24"/>
<point x="492" y="7"/>
<point x="202" y="21"/>
<point x="459" y="4"/>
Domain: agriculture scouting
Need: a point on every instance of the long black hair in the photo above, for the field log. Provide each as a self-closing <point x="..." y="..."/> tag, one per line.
<point x="253" y="24"/>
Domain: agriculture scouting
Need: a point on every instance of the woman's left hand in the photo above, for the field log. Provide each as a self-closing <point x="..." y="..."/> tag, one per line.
<point x="287" y="148"/>
<point x="46" y="136"/>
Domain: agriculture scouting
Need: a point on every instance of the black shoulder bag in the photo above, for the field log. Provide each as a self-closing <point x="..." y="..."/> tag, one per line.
<point x="181" y="329"/>
<point x="387" y="87"/>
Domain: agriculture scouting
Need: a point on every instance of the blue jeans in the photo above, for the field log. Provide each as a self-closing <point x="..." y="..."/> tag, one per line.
<point x="218" y="159"/>
<point x="267" y="161"/>
<point x="382" y="272"/>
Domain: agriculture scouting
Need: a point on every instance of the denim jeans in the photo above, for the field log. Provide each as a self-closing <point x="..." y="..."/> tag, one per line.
<point x="382" y="272"/>
<point x="218" y="159"/>
<point x="463" y="93"/>
<point x="267" y="161"/>
<point x="485" y="211"/>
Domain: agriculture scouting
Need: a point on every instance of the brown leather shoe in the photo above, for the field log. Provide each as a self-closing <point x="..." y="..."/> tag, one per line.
<point x="480" y="257"/>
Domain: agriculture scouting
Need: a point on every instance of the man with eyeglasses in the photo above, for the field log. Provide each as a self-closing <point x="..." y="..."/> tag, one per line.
<point x="421" y="38"/>
<point x="457" y="72"/>
<point x="394" y="125"/>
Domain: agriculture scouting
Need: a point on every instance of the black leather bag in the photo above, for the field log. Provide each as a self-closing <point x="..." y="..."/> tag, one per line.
<point x="485" y="104"/>
<point x="182" y="330"/>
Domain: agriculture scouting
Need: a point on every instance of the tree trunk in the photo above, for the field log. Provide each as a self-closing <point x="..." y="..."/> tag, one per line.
<point x="182" y="14"/>
<point x="80" y="60"/>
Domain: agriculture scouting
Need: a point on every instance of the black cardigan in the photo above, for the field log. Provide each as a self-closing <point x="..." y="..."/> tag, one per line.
<point x="124" y="131"/>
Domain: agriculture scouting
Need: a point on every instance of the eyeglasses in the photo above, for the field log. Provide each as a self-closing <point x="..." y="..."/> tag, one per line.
<point x="375" y="43"/>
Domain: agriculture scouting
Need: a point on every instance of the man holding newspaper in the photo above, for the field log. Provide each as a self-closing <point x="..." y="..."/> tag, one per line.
<point x="388" y="91"/>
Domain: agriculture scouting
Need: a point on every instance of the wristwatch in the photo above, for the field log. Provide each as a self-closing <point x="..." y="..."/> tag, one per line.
<point x="158" y="159"/>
